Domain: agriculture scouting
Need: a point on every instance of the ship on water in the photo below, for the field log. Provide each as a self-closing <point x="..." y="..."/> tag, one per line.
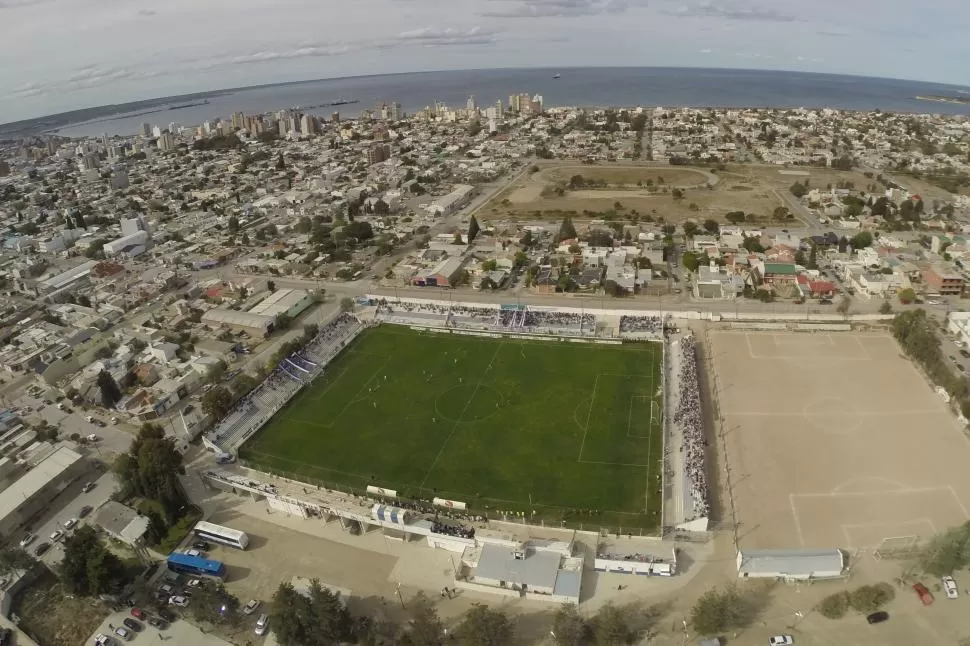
<point x="557" y="75"/>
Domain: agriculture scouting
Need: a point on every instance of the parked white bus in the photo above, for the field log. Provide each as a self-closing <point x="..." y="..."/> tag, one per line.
<point x="219" y="534"/>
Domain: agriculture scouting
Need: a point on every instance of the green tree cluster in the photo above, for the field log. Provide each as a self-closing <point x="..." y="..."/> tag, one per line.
<point x="150" y="469"/>
<point x="916" y="334"/>
<point x="947" y="552"/>
<point x="726" y="608"/>
<point x="88" y="568"/>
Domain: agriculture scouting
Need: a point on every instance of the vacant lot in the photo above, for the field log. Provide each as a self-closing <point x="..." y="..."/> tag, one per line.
<point x="556" y="429"/>
<point x="835" y="440"/>
<point x="646" y="193"/>
<point x="53" y="617"/>
<point x="631" y="175"/>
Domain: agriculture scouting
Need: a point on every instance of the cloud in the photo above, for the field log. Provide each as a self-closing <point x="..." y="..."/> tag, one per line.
<point x="146" y="12"/>
<point x="433" y="37"/>
<point x="558" y="8"/>
<point x="83" y="79"/>
<point x="17" y="4"/>
<point x="725" y="12"/>
<point x="705" y="51"/>
<point x="310" y="51"/>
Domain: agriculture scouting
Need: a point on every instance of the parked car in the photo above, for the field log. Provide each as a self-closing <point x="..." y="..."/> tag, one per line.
<point x="103" y="640"/>
<point x="202" y="545"/>
<point x="950" y="587"/>
<point x="84" y="511"/>
<point x="88" y="487"/>
<point x="157" y="622"/>
<point x="193" y="552"/>
<point x="99" y="423"/>
<point x="138" y="613"/>
<point x="131" y="623"/>
<point x="179" y="600"/>
<point x="27" y="540"/>
<point x="780" y="640"/>
<point x="6" y="635"/>
<point x="166" y="614"/>
<point x="262" y="624"/>
<point x="877" y="617"/>
<point x="41" y="549"/>
<point x="92" y="437"/>
<point x="123" y="632"/>
<point x="70" y="523"/>
<point x="194" y="583"/>
<point x="924" y="594"/>
<point x="56" y="535"/>
<point x="250" y="607"/>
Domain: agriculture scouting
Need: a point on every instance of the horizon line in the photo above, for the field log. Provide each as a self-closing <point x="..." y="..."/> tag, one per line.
<point x="229" y="90"/>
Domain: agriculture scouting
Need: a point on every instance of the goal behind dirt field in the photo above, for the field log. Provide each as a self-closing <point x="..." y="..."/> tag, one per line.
<point x="898" y="547"/>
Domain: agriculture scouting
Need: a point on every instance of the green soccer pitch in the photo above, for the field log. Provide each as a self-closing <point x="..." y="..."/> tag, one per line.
<point x="568" y="430"/>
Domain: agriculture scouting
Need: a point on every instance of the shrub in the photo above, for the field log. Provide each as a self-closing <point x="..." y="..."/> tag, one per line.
<point x="870" y="598"/>
<point x="834" y="606"/>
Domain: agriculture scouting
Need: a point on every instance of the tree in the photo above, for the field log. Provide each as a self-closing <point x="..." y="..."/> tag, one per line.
<point x="735" y="217"/>
<point x="723" y="609"/>
<point x="907" y="295"/>
<point x="303" y="225"/>
<point x="13" y="559"/>
<point x="271" y="286"/>
<point x="781" y="213"/>
<point x="753" y="244"/>
<point x="834" y="606"/>
<point x="798" y="189"/>
<point x="151" y="468"/>
<point x="569" y="627"/>
<point x="566" y="229"/>
<point x="318" y="618"/>
<point x="88" y="568"/>
<point x="690" y="261"/>
<point x="677" y="194"/>
<point x="947" y="552"/>
<point x="861" y="240"/>
<point x="482" y="626"/>
<point x="869" y="598"/>
<point x="881" y="207"/>
<point x="217" y="402"/>
<point x="690" y="229"/>
<point x="800" y="258"/>
<point x="346" y="304"/>
<point x="843" y="244"/>
<point x="473" y="229"/>
<point x="280" y="164"/>
<point x="712" y="227"/>
<point x="844" y="304"/>
<point x="610" y="627"/>
<point x="214" y="604"/>
<point x="233" y="225"/>
<point x="110" y="392"/>
<point x="813" y="257"/>
<point x="425" y="628"/>
<point x="886" y="308"/>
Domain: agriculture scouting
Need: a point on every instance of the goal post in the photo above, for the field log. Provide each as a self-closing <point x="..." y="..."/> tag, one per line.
<point x="897" y="547"/>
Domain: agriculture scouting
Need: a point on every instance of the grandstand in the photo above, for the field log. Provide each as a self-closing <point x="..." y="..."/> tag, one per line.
<point x="290" y="376"/>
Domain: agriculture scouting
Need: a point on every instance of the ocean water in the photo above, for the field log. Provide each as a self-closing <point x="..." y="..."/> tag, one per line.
<point x="620" y="86"/>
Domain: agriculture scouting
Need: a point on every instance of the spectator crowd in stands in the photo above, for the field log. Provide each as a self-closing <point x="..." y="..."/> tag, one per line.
<point x="285" y="380"/>
<point x="641" y="324"/>
<point x="688" y="415"/>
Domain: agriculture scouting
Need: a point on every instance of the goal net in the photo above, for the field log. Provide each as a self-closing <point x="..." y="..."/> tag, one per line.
<point x="898" y="547"/>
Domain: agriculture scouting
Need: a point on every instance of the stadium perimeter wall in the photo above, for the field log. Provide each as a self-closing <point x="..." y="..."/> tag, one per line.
<point x="695" y="315"/>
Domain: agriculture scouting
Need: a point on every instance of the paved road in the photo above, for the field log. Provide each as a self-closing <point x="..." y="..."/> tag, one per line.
<point x="68" y="505"/>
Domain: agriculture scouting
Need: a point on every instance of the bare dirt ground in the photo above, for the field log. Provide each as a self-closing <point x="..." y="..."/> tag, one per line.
<point x="834" y="440"/>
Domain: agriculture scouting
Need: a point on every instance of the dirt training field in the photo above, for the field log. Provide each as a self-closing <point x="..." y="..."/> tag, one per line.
<point x="834" y="440"/>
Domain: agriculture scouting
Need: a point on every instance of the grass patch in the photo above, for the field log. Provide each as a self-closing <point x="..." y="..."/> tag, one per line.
<point x="541" y="428"/>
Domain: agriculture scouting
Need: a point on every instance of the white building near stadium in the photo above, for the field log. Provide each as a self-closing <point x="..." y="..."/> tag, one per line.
<point x="791" y="565"/>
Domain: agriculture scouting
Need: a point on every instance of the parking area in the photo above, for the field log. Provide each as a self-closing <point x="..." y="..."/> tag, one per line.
<point x="68" y="505"/>
<point x="178" y="632"/>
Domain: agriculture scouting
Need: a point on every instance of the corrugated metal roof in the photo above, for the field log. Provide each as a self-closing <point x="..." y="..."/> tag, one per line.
<point x="47" y="470"/>
<point x="790" y="562"/>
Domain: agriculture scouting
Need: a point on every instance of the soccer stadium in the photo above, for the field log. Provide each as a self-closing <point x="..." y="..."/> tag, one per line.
<point x="534" y="415"/>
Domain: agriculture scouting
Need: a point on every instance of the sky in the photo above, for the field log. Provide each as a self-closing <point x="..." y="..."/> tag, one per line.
<point x="66" y="54"/>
